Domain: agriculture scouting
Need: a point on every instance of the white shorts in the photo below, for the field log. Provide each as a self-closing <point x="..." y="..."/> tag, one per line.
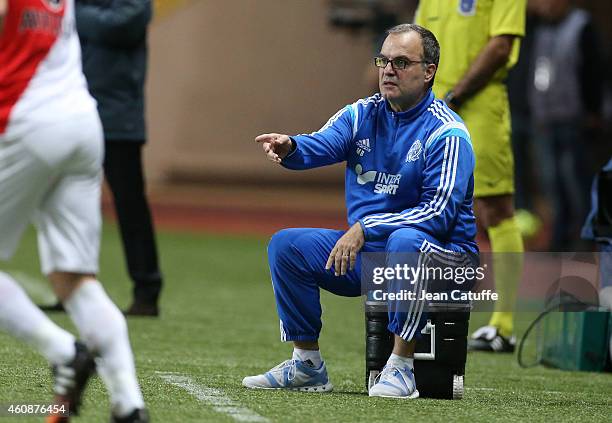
<point x="51" y="176"/>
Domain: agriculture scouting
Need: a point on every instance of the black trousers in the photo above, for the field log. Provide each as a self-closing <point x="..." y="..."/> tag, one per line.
<point x="124" y="174"/>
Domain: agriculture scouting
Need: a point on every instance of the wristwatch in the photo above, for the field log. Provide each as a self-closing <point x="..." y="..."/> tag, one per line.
<point x="451" y="100"/>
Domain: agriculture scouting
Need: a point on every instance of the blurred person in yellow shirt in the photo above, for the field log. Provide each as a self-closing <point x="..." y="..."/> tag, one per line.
<point x="480" y="42"/>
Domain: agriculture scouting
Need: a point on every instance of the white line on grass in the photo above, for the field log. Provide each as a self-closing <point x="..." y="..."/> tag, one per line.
<point x="510" y="390"/>
<point x="215" y="397"/>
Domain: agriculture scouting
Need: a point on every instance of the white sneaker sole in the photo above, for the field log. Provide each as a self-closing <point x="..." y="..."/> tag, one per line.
<point x="328" y="387"/>
<point x="414" y="395"/>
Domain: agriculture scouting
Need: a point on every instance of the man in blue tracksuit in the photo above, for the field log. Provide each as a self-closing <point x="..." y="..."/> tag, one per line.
<point x="409" y="184"/>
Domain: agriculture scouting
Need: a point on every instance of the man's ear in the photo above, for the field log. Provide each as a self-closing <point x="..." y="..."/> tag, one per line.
<point x="430" y="72"/>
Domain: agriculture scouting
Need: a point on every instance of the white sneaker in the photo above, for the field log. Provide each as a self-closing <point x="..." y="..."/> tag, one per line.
<point x="395" y="382"/>
<point x="295" y="375"/>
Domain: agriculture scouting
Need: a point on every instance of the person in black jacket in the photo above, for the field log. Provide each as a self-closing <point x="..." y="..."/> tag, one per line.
<point x="113" y="36"/>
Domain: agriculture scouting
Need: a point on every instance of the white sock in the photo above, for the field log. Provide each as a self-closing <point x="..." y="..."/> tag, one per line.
<point x="313" y="355"/>
<point x="104" y="330"/>
<point x="21" y="318"/>
<point x="398" y="360"/>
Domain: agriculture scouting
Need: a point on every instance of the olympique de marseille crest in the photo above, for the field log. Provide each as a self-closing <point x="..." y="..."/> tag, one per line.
<point x="414" y="152"/>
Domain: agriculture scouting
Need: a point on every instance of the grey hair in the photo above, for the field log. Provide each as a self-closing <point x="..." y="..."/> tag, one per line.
<point x="431" y="47"/>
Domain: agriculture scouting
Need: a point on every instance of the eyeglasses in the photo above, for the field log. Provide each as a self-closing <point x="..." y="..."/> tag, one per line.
<point x="397" y="63"/>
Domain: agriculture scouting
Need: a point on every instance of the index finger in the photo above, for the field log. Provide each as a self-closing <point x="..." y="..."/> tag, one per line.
<point x="266" y="138"/>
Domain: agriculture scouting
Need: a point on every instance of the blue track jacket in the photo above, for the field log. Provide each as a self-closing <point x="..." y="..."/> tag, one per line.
<point x="408" y="169"/>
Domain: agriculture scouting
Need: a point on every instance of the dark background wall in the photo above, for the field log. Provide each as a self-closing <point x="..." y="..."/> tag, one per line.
<point x="222" y="72"/>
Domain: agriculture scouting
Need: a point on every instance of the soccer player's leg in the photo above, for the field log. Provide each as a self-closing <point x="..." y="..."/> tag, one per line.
<point x="72" y="363"/>
<point x="297" y="259"/>
<point x="22" y="188"/>
<point x="69" y="225"/>
<point x="507" y="247"/>
<point x="494" y="188"/>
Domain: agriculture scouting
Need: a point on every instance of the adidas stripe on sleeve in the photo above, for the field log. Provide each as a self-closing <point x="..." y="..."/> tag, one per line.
<point x="328" y="145"/>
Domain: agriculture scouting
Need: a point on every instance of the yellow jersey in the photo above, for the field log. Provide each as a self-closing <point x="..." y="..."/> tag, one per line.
<point x="463" y="28"/>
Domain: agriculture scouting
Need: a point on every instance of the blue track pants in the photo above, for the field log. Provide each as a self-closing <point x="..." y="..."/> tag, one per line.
<point x="297" y="259"/>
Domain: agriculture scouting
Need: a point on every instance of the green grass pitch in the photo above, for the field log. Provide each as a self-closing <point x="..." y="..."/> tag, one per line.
<point x="219" y="324"/>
